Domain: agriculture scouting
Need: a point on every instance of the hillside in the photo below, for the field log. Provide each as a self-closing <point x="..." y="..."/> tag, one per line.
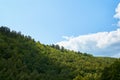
<point x="23" y="58"/>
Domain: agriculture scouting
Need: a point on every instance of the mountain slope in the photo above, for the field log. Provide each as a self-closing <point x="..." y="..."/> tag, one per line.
<point x="22" y="58"/>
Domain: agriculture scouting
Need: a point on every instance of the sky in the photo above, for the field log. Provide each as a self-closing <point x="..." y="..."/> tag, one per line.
<point x="90" y="26"/>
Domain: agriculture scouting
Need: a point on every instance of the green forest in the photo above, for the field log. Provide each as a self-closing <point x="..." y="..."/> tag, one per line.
<point x="23" y="58"/>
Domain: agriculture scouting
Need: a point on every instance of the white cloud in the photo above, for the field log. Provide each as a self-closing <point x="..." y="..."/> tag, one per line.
<point x="102" y="43"/>
<point x="67" y="38"/>
<point x="117" y="10"/>
<point x="117" y="15"/>
<point x="98" y="44"/>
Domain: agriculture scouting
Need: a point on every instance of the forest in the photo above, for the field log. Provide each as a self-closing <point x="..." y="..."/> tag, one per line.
<point x="23" y="58"/>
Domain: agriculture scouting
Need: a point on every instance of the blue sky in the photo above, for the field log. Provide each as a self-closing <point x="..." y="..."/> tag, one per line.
<point x="48" y="20"/>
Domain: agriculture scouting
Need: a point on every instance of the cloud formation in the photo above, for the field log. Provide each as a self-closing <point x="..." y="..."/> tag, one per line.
<point x="102" y="43"/>
<point x="117" y="15"/>
<point x="98" y="44"/>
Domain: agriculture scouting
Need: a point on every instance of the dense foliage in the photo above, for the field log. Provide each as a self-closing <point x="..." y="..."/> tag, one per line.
<point x="112" y="72"/>
<point x="22" y="58"/>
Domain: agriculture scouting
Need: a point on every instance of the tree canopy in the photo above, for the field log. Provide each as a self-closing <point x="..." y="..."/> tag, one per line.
<point x="112" y="72"/>
<point x="23" y="58"/>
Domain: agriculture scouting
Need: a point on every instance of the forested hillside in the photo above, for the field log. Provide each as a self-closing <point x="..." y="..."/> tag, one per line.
<point x="23" y="58"/>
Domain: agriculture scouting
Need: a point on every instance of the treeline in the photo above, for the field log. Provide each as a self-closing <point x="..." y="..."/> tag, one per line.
<point x="62" y="49"/>
<point x="23" y="58"/>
